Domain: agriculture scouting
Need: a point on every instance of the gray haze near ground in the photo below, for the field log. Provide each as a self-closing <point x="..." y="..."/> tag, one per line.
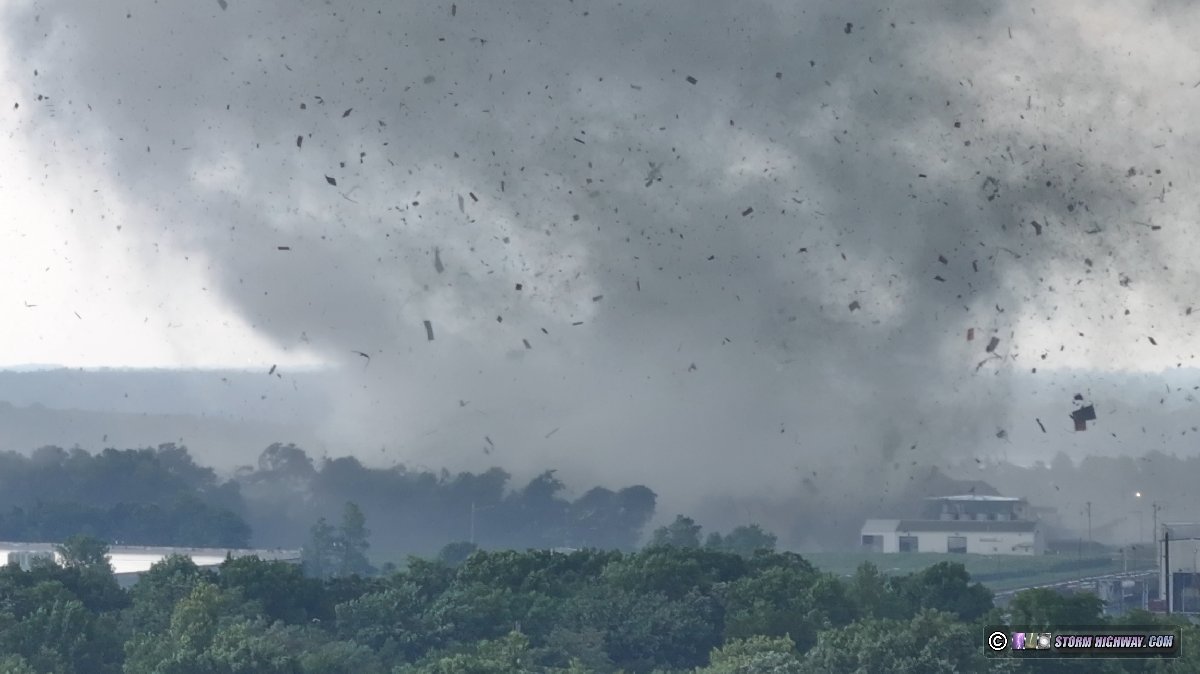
<point x="722" y="352"/>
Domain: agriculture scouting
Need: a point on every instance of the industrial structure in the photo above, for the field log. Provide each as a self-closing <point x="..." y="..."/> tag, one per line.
<point x="968" y="523"/>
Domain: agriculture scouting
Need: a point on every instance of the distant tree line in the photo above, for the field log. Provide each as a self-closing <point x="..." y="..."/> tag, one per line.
<point x="665" y="609"/>
<point x="161" y="496"/>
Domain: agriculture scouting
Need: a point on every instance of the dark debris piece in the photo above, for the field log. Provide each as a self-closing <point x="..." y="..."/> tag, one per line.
<point x="939" y="279"/>
<point x="1083" y="415"/>
<point x="1040" y="424"/>
<point x="347" y="112"/>
<point x="970" y="334"/>
<point x="526" y="343"/>
<point x="577" y="323"/>
<point x="437" y="261"/>
<point x="854" y="306"/>
<point x="1152" y="341"/>
<point x="597" y="298"/>
<point x="692" y="367"/>
<point x="331" y="181"/>
<point x="271" y="371"/>
<point x="283" y="247"/>
<point x="224" y="5"/>
<point x="299" y="141"/>
<point x="429" y="330"/>
<point x="691" y="80"/>
<point x="943" y="260"/>
<point x="992" y="344"/>
<point x="746" y="212"/>
<point x="1079" y="397"/>
<point x="849" y="28"/>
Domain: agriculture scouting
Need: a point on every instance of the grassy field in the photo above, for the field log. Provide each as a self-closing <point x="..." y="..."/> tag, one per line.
<point x="998" y="572"/>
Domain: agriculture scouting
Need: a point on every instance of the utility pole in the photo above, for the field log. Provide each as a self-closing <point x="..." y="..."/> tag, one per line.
<point x="1089" y="514"/>
<point x="1167" y="565"/>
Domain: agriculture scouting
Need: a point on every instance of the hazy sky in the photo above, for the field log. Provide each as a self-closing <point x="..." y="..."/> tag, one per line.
<point x="749" y="238"/>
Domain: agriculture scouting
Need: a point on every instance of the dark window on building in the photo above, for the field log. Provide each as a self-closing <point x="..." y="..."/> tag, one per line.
<point x="873" y="543"/>
<point x="956" y="544"/>
<point x="908" y="544"/>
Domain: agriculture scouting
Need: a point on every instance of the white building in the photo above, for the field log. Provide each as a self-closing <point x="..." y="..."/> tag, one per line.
<point x="129" y="562"/>
<point x="986" y="525"/>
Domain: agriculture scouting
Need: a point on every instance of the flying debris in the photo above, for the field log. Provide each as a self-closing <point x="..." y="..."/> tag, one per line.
<point x="429" y="330"/>
<point x="453" y="9"/>
<point x="577" y="323"/>
<point x="692" y="367"/>
<point x="551" y="433"/>
<point x="78" y="316"/>
<point x="970" y="334"/>
<point x="283" y="247"/>
<point x="1040" y="424"/>
<point x="597" y="298"/>
<point x="655" y="174"/>
<point x="437" y="261"/>
<point x="224" y="5"/>
<point x="854" y="306"/>
<point x="364" y="356"/>
<point x="271" y="371"/>
<point x="992" y="344"/>
<point x="526" y="343"/>
<point x="691" y="80"/>
<point x="1152" y="341"/>
<point x="746" y="212"/>
<point x="299" y="141"/>
<point x="30" y="306"/>
<point x="939" y="279"/>
<point x="489" y="441"/>
<point x="347" y="112"/>
<point x="331" y="181"/>
<point x="1083" y="415"/>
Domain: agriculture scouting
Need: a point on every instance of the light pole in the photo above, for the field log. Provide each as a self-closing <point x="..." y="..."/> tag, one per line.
<point x="473" y="510"/>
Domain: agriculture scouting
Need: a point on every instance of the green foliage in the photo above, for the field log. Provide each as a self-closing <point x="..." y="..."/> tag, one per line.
<point x="84" y="552"/>
<point x="1043" y="608"/>
<point x="742" y="540"/>
<point x="674" y="571"/>
<point x="281" y="590"/>
<point x="932" y="642"/>
<point x="453" y="554"/>
<point x="756" y="655"/>
<point x="945" y="586"/>
<point x="341" y="551"/>
<point x="682" y="533"/>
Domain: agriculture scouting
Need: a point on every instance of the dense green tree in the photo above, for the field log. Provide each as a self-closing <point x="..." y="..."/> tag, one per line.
<point x="932" y="642"/>
<point x="755" y="655"/>
<point x="281" y="590"/>
<point x="742" y="540"/>
<point x="453" y="554"/>
<point x="1043" y="608"/>
<point x="84" y="552"/>
<point x="674" y="571"/>
<point x="319" y="555"/>
<point x="944" y="586"/>
<point x="682" y="533"/>
<point x="351" y="543"/>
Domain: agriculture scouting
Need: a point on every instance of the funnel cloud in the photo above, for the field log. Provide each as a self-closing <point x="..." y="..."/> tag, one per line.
<point x="718" y="249"/>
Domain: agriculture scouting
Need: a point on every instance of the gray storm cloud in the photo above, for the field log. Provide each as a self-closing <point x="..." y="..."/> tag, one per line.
<point x="749" y="237"/>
